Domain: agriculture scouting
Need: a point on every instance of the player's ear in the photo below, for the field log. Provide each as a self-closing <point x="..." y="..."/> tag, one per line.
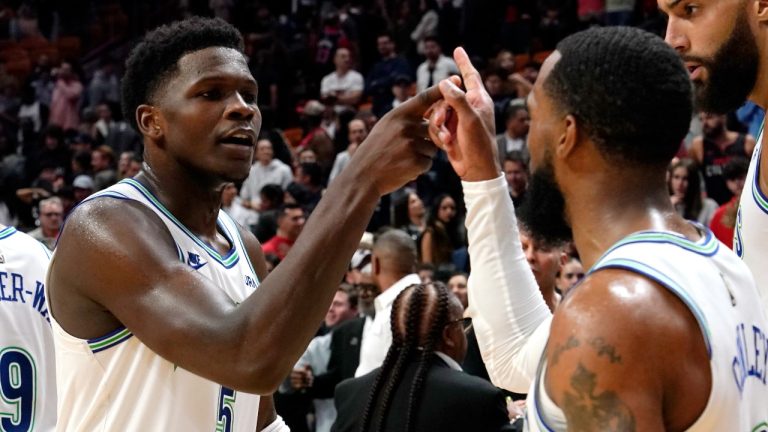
<point x="760" y="9"/>
<point x="569" y="137"/>
<point x="148" y="121"/>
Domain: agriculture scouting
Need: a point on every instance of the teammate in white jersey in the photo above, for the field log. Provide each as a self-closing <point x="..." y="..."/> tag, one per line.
<point x="159" y="324"/>
<point x="27" y="368"/>
<point x="666" y="331"/>
<point x="724" y="44"/>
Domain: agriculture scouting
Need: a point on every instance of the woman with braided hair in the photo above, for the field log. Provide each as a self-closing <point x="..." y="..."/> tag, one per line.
<point x="420" y="386"/>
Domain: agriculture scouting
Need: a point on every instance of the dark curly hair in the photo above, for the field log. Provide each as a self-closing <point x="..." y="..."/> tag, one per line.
<point x="628" y="89"/>
<point x="155" y="59"/>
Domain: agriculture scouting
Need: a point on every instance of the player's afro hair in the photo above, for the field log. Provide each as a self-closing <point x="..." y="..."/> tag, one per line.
<point x="155" y="58"/>
<point x="629" y="91"/>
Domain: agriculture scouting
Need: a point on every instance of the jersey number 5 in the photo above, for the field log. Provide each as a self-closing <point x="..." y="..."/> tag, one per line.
<point x="18" y="382"/>
<point x="226" y="413"/>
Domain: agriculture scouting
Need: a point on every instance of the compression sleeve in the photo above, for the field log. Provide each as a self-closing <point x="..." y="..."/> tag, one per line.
<point x="277" y="426"/>
<point x="508" y="312"/>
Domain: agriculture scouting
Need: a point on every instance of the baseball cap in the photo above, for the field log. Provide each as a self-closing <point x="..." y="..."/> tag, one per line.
<point x="83" y="182"/>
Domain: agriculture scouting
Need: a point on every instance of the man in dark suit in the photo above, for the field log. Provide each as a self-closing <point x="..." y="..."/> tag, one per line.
<point x="420" y="386"/>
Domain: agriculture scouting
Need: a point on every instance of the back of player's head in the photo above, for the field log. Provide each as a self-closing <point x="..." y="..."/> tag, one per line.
<point x="155" y="58"/>
<point x="627" y="89"/>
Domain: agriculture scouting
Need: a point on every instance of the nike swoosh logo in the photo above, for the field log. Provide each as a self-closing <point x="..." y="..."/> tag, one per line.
<point x="198" y="266"/>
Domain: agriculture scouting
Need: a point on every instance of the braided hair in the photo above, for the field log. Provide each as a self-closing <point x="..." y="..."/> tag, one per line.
<point x="419" y="315"/>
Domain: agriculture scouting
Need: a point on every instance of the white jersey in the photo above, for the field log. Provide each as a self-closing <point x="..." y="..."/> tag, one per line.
<point x="27" y="368"/>
<point x="116" y="383"/>
<point x="750" y="237"/>
<point x="720" y="292"/>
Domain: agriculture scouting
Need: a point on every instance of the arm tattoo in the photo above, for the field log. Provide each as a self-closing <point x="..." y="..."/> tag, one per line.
<point x="587" y="411"/>
<point x="604" y="349"/>
<point x="572" y="342"/>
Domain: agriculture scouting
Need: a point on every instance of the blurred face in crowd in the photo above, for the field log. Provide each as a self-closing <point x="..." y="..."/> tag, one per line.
<point x="81" y="194"/>
<point x="99" y="161"/>
<point x="307" y="156"/>
<point x="712" y="125"/>
<point x="570" y="273"/>
<point x="415" y="206"/>
<point x="454" y="331"/>
<point x="426" y="275"/>
<point x="264" y="151"/>
<point x="493" y="85"/>
<point x="51" y="215"/>
<point x="342" y="59"/>
<point x="367" y="293"/>
<point x="531" y="74"/>
<point x="291" y="222"/>
<point x="458" y="285"/>
<point x="432" y="50"/>
<point x="386" y="46"/>
<point x="519" y="124"/>
<point x="400" y="91"/>
<point x="228" y="194"/>
<point x="506" y="61"/>
<point x="124" y="162"/>
<point x="447" y="210"/>
<point x="103" y="112"/>
<point x="357" y="131"/>
<point x="735" y="185"/>
<point x="516" y="176"/>
<point x="678" y="181"/>
<point x="340" y="310"/>
<point x="719" y="48"/>
<point x="545" y="261"/>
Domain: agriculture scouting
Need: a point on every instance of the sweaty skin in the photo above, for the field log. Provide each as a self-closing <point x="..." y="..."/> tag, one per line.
<point x="116" y="263"/>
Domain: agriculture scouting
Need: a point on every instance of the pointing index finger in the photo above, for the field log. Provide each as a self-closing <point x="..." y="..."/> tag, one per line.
<point x="469" y="74"/>
<point x="419" y="104"/>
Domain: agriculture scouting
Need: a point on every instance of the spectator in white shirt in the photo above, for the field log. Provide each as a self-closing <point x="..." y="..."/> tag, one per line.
<point x="233" y="206"/>
<point x="357" y="133"/>
<point x="266" y="170"/>
<point x="393" y="264"/>
<point x="436" y="67"/>
<point x="344" y="86"/>
<point x="515" y="136"/>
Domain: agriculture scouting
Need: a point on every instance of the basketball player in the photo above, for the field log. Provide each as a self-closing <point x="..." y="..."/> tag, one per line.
<point x="665" y="332"/>
<point x="27" y="369"/>
<point x="163" y="318"/>
<point x="725" y="47"/>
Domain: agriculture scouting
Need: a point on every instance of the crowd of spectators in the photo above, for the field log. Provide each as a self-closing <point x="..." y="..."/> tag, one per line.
<point x="327" y="71"/>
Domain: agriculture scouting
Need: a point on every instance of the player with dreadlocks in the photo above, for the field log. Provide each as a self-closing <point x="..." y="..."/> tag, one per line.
<point x="421" y="386"/>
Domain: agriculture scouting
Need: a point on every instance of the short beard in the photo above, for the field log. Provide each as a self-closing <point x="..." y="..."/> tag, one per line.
<point x="732" y="71"/>
<point x="543" y="209"/>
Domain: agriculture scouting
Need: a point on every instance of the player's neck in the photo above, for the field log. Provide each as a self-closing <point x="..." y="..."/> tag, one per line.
<point x="604" y="212"/>
<point x="195" y="204"/>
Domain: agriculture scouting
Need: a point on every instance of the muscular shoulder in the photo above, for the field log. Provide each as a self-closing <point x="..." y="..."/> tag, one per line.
<point x="623" y="341"/>
<point x="108" y="235"/>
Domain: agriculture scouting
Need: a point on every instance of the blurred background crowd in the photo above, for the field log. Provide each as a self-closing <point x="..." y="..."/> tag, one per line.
<point x="327" y="70"/>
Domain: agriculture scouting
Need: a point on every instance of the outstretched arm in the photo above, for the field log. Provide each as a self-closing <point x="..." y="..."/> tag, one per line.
<point x="507" y="309"/>
<point x="136" y="279"/>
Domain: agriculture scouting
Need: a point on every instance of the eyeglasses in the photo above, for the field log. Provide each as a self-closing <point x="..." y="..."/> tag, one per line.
<point x="50" y="214"/>
<point x="466" y="323"/>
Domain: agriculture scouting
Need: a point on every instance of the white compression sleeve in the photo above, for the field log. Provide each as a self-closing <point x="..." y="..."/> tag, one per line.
<point x="277" y="426"/>
<point x="510" y="317"/>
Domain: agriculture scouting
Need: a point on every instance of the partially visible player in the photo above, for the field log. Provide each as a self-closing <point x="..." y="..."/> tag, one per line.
<point x="27" y="368"/>
<point x="724" y="44"/>
<point x="666" y="331"/>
